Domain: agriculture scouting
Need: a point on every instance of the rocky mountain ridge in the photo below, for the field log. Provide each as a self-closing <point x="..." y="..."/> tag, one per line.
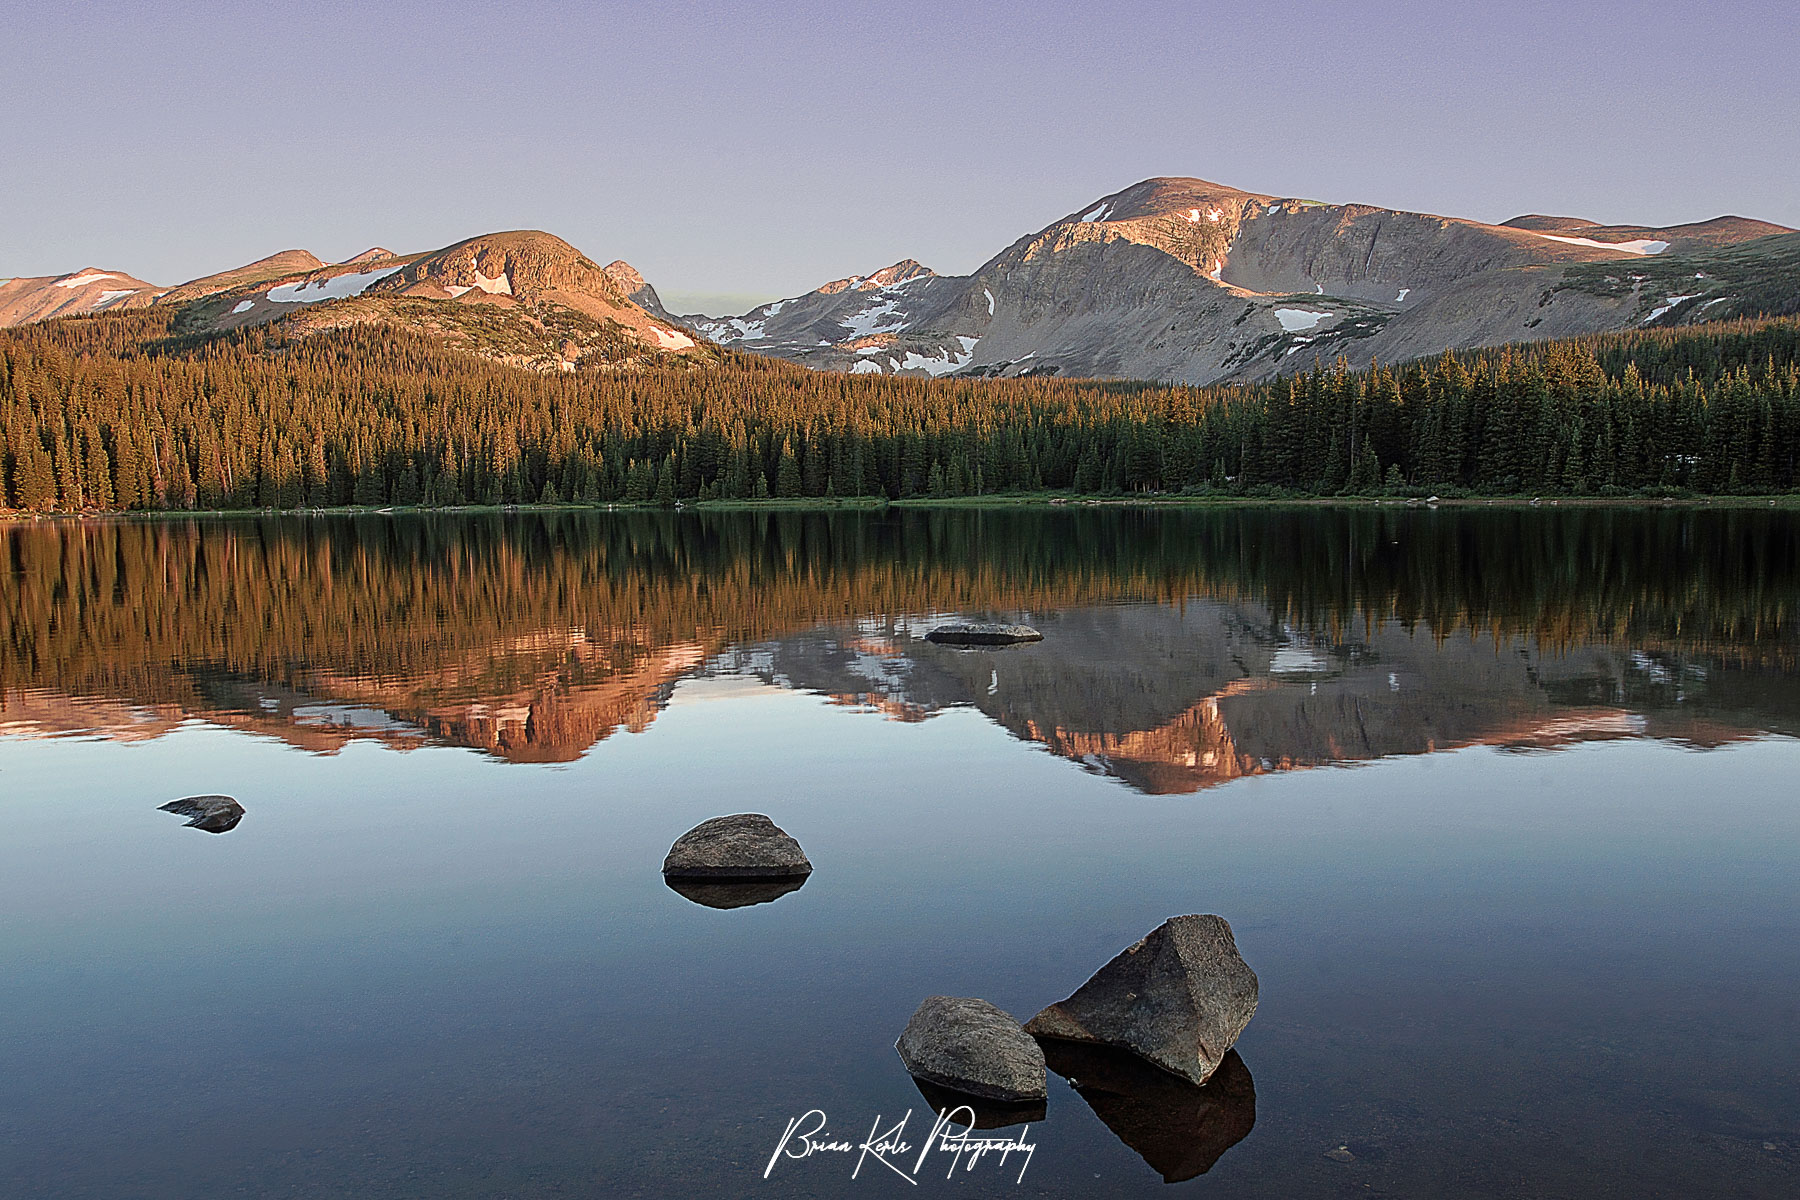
<point x="1171" y="279"/>
<point x="523" y="297"/>
<point x="1185" y="280"/>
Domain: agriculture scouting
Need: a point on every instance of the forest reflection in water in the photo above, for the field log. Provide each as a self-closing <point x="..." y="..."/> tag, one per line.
<point x="1182" y="648"/>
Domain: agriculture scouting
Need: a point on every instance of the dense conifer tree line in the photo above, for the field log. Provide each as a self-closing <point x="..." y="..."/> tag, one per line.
<point x="113" y="412"/>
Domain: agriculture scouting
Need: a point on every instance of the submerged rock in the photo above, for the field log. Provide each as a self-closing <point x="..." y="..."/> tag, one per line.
<point x="969" y="1046"/>
<point x="975" y="633"/>
<point x="1179" y="1128"/>
<point x="743" y="846"/>
<point x="979" y="1112"/>
<point x="729" y="893"/>
<point x="1180" y="998"/>
<point x="214" y="814"/>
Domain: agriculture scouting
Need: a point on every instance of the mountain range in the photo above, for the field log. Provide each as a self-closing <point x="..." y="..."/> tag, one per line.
<point x="1171" y="279"/>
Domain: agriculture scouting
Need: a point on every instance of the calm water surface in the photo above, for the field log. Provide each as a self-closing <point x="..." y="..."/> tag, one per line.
<point x="1501" y="806"/>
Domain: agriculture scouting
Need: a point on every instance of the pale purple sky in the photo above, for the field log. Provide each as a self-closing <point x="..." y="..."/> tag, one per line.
<point x="741" y="151"/>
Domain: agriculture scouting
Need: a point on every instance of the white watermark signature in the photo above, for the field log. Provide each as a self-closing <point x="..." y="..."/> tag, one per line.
<point x="952" y="1133"/>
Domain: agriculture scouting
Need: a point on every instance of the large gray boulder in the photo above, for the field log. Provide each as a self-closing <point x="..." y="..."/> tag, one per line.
<point x="970" y="1046"/>
<point x="1179" y="998"/>
<point x="214" y="814"/>
<point x="977" y="633"/>
<point x="743" y="846"/>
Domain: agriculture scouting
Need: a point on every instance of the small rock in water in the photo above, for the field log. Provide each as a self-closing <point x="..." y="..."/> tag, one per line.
<point x="743" y="846"/>
<point x="970" y="1046"/>
<point x="974" y="633"/>
<point x="214" y="814"/>
<point x="1180" y="998"/>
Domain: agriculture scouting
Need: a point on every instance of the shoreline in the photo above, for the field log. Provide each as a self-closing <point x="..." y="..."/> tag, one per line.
<point x="1044" y="501"/>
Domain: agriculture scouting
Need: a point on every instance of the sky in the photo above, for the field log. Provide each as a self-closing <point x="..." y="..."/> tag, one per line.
<point x="738" y="152"/>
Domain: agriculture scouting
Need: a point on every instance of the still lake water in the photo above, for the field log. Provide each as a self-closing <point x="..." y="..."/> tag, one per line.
<point x="1501" y="805"/>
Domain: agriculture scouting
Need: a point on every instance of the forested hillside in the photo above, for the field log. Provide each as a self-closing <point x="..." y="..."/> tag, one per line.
<point x="116" y="412"/>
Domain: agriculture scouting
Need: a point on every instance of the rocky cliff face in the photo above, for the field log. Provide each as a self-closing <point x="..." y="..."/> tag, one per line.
<point x="1191" y="281"/>
<point x="523" y="297"/>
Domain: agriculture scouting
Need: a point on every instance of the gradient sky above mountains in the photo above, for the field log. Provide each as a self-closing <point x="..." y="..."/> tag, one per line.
<point x="740" y="151"/>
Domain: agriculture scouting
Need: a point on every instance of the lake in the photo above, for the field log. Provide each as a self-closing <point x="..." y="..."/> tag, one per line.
<point x="1500" y="805"/>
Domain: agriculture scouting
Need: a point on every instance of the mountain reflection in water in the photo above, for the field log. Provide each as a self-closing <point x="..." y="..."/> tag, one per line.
<point x="1182" y="648"/>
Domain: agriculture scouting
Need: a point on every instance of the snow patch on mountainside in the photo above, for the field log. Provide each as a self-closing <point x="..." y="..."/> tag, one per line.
<point x="868" y="322"/>
<point x="735" y="329"/>
<point x="243" y="306"/>
<point x="1668" y="304"/>
<point x="338" y="287"/>
<point x="493" y="287"/>
<point x="1640" y="246"/>
<point x="85" y="279"/>
<point x="1295" y="319"/>
<point x="942" y="363"/>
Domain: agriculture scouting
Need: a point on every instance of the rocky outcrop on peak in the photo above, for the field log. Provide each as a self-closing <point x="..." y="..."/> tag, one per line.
<point x="637" y="289"/>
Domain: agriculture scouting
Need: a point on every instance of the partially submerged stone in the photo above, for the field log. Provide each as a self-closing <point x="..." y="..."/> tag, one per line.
<point x="733" y="893"/>
<point x="214" y="814"/>
<point x="1179" y="1128"/>
<point x="1180" y="998"/>
<point x="978" y="1112"/>
<point x="976" y="633"/>
<point x="743" y="846"/>
<point x="969" y="1046"/>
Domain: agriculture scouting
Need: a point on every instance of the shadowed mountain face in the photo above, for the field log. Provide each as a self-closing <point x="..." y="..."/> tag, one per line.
<point x="1178" y="279"/>
<point x="1180" y="650"/>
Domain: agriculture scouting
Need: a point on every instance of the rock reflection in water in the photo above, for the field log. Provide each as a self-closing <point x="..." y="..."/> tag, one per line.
<point x="1178" y="1128"/>
<point x="988" y="1114"/>
<point x="714" y="893"/>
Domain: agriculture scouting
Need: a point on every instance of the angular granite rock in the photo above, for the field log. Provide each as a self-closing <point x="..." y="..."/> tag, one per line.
<point x="970" y="1046"/>
<point x="214" y="814"/>
<point x="1180" y="998"/>
<point x="744" y="846"/>
<point x="972" y="633"/>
